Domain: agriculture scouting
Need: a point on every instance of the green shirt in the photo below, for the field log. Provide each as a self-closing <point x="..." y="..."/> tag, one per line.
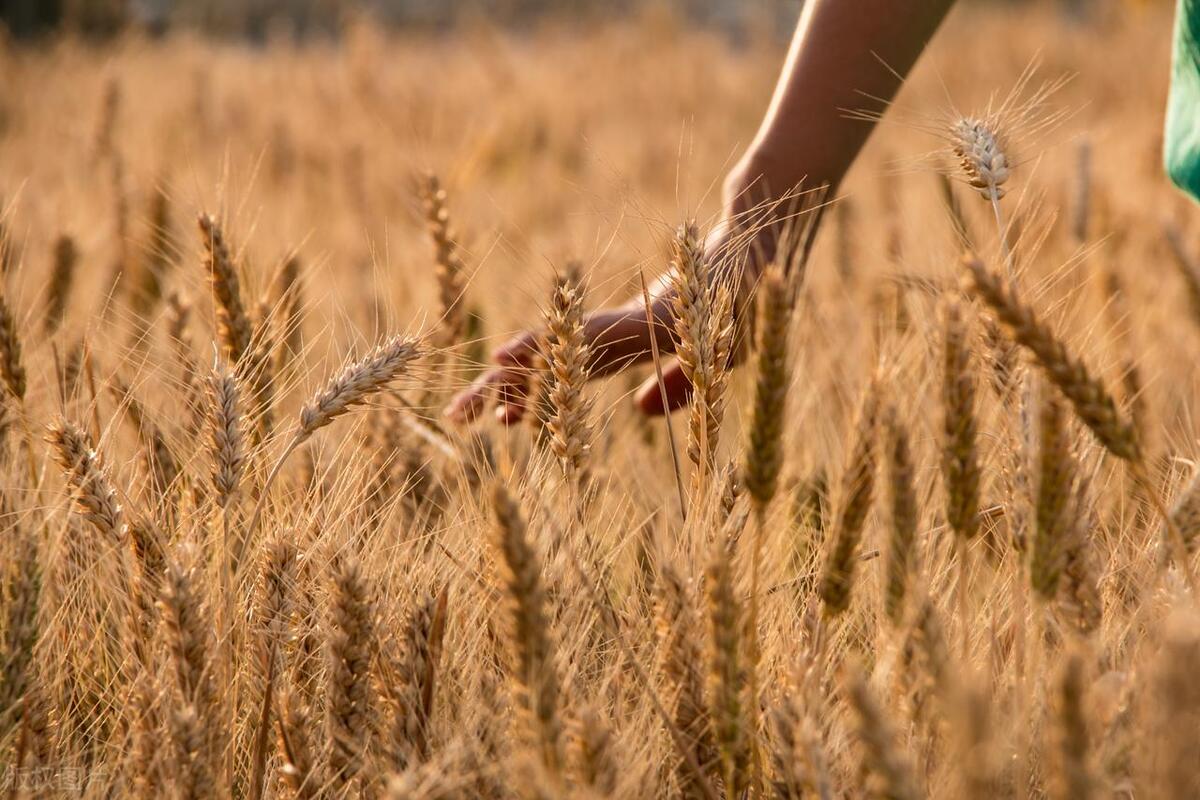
<point x="1181" y="146"/>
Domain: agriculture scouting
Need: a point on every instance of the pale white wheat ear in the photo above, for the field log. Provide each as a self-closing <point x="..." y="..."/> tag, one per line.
<point x="350" y="388"/>
<point x="981" y="156"/>
<point x="985" y="164"/>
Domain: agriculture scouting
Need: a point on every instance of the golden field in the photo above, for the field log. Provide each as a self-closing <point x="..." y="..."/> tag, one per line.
<point x="234" y="568"/>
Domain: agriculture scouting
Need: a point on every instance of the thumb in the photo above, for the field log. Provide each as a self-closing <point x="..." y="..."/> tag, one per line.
<point x="678" y="390"/>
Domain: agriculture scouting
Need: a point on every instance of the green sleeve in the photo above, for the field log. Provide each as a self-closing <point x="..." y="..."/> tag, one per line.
<point x="1181" y="147"/>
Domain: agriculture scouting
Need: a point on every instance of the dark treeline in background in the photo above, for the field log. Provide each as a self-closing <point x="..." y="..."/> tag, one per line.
<point x="259" y="19"/>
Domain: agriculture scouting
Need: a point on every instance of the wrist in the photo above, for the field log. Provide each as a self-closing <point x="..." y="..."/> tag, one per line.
<point x="768" y="171"/>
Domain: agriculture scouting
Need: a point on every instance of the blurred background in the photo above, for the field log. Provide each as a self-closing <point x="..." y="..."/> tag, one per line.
<point x="258" y="20"/>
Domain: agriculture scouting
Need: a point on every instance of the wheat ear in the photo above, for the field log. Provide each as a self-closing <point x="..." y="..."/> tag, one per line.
<point x="21" y="626"/>
<point x="233" y="323"/>
<point x="985" y="163"/>
<point x="300" y="769"/>
<point x="569" y="355"/>
<point x="276" y="585"/>
<point x="764" y="447"/>
<point x="1074" y="779"/>
<point x="726" y="671"/>
<point x="415" y="681"/>
<point x="352" y="387"/>
<point x="682" y="664"/>
<point x="62" y="275"/>
<point x="597" y="760"/>
<point x="194" y="719"/>
<point x="960" y="459"/>
<point x="704" y="328"/>
<point x="1091" y="400"/>
<point x="11" y="367"/>
<point x="227" y="447"/>
<point x="902" y="501"/>
<point x="531" y="645"/>
<point x="349" y="642"/>
<point x="858" y="484"/>
<point x="891" y="773"/>
<point x="1055" y="478"/>
<point x="449" y="270"/>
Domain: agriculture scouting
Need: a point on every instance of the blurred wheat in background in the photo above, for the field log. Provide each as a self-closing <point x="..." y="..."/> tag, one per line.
<point x="935" y="539"/>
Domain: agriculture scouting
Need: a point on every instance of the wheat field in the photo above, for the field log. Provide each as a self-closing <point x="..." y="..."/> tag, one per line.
<point x="932" y="539"/>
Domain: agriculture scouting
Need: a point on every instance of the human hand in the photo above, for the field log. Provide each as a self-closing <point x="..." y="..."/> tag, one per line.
<point x="619" y="337"/>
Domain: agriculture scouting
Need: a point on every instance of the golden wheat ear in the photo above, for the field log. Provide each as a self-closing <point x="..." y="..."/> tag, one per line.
<point x="449" y="270"/>
<point x="858" y="484"/>
<point x="569" y="354"/>
<point x="902" y="502"/>
<point x="531" y="646"/>
<point x="1092" y="401"/>
<point x="233" y="323"/>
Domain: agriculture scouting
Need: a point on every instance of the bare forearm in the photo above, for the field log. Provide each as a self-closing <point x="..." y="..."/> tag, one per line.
<point x="844" y="53"/>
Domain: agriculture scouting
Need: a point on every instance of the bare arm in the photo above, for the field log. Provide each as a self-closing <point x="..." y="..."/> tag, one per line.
<point x="836" y="59"/>
<point x="843" y="53"/>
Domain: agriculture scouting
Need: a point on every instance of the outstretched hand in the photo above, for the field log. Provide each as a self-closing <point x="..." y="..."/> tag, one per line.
<point x="619" y="337"/>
